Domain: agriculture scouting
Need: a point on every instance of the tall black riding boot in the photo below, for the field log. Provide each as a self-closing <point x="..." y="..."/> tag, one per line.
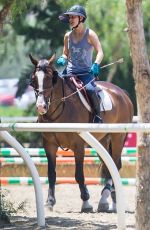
<point x="96" y="106"/>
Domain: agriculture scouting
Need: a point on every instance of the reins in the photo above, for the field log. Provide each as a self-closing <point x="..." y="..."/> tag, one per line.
<point x="70" y="95"/>
<point x="66" y="97"/>
<point x="61" y="101"/>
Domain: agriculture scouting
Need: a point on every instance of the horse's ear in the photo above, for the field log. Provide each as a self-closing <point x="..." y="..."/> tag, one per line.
<point x="34" y="61"/>
<point x="52" y="59"/>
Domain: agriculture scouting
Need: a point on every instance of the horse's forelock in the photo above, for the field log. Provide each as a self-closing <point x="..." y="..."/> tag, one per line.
<point x="47" y="67"/>
<point x="43" y="62"/>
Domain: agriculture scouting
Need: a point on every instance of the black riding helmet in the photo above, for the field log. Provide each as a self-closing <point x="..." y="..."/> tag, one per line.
<point x="74" y="10"/>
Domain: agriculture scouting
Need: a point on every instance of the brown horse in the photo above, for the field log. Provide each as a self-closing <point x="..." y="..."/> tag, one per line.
<point x="50" y="90"/>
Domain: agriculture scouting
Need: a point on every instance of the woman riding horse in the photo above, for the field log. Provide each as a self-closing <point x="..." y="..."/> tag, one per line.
<point x="58" y="101"/>
<point x="78" y="51"/>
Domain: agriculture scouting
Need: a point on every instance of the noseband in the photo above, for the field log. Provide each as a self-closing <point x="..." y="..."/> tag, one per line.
<point x="54" y="75"/>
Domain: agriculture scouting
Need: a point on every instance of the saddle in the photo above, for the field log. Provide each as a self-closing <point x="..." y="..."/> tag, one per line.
<point x="104" y="98"/>
<point x="80" y="87"/>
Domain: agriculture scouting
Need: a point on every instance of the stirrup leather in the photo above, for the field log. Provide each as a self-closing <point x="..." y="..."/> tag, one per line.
<point x="97" y="119"/>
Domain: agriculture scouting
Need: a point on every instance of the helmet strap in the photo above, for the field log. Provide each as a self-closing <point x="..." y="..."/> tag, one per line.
<point x="77" y="24"/>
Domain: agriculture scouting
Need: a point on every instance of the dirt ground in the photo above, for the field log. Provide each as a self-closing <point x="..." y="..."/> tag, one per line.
<point x="66" y="213"/>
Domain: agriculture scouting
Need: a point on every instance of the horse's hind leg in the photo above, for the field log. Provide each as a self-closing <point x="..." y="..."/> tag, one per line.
<point x="113" y="207"/>
<point x="103" y="205"/>
<point x="117" y="143"/>
<point x="117" y="146"/>
<point x="79" y="176"/>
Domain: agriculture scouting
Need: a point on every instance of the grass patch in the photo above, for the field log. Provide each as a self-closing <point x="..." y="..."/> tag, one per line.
<point x="11" y="111"/>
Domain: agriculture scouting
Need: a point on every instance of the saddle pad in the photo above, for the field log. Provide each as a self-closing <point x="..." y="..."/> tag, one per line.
<point x="105" y="104"/>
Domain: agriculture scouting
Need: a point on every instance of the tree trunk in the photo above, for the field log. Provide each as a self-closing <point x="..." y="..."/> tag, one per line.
<point x="141" y="72"/>
<point x="4" y="13"/>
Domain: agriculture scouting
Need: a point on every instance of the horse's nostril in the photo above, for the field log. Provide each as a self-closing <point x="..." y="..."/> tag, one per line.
<point x="41" y="109"/>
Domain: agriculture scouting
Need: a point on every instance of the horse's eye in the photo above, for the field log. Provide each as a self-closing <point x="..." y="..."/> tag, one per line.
<point x="31" y="83"/>
<point x="31" y="80"/>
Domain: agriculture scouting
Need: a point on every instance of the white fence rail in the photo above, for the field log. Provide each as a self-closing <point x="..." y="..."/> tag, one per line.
<point x="83" y="130"/>
<point x="34" y="119"/>
<point x="18" y="119"/>
<point x="76" y="127"/>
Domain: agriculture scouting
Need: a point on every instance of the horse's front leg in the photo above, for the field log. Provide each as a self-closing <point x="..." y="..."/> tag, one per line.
<point x="108" y="189"/>
<point x="115" y="149"/>
<point x="79" y="176"/>
<point x="103" y="205"/>
<point x="52" y="180"/>
<point x="51" y="157"/>
<point x="113" y="207"/>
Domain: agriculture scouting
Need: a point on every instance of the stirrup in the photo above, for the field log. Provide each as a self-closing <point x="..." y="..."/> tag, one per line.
<point x="97" y="119"/>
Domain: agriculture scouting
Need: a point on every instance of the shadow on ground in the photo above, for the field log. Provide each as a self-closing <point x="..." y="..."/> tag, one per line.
<point x="57" y="223"/>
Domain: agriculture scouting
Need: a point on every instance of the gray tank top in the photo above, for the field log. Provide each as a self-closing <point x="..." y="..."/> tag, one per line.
<point x="80" y="55"/>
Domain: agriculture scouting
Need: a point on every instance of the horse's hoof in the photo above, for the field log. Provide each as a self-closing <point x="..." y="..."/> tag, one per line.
<point x="103" y="207"/>
<point x="49" y="207"/>
<point x="112" y="209"/>
<point x="87" y="210"/>
<point x="86" y="207"/>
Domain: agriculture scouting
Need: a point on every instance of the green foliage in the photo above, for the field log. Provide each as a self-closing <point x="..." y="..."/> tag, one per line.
<point x="38" y="31"/>
<point x="12" y="49"/>
<point x="11" y="45"/>
<point x="28" y="139"/>
<point x="8" y="208"/>
<point x="10" y="111"/>
<point x="24" y="81"/>
<point x="17" y="6"/>
<point x="108" y="20"/>
<point x="42" y="29"/>
<point x="12" y="54"/>
<point x="67" y="4"/>
<point x="32" y="138"/>
<point x="146" y="18"/>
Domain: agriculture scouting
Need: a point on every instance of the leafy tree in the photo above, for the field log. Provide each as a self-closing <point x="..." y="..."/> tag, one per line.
<point x="38" y="30"/>
<point x="35" y="30"/>
<point x="108" y="19"/>
<point x="12" y="8"/>
<point x="11" y="45"/>
<point x="8" y="10"/>
<point x="42" y="30"/>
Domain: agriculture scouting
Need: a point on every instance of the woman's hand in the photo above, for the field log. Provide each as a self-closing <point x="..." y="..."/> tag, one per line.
<point x="95" y="69"/>
<point x="61" y="61"/>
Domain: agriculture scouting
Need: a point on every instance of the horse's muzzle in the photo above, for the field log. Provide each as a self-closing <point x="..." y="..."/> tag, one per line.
<point x="41" y="110"/>
<point x="41" y="105"/>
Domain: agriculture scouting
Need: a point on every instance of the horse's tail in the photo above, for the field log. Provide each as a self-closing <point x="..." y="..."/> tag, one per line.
<point x="104" y="172"/>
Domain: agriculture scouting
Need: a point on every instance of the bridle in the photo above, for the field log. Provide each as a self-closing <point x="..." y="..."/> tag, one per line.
<point x="48" y="99"/>
<point x="48" y="117"/>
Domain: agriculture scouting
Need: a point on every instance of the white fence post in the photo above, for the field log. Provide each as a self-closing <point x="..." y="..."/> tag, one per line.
<point x="36" y="180"/>
<point x="114" y="173"/>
